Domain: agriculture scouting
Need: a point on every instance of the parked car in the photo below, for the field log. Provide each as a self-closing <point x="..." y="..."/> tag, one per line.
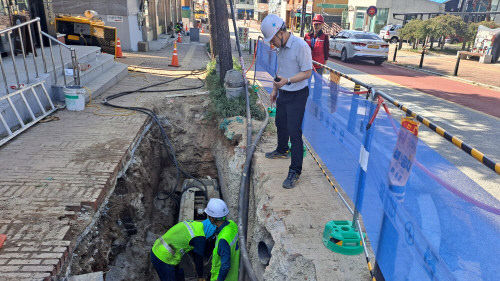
<point x="390" y="33"/>
<point x="453" y="39"/>
<point x="352" y="44"/>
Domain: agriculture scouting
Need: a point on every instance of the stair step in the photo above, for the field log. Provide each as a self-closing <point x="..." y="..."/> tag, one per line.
<point x="106" y="80"/>
<point x="98" y="64"/>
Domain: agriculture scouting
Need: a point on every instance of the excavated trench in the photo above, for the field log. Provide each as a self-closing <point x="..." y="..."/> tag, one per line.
<point x="140" y="208"/>
<point x="138" y="212"/>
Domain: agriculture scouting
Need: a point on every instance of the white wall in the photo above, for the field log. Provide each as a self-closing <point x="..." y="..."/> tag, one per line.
<point x="395" y="6"/>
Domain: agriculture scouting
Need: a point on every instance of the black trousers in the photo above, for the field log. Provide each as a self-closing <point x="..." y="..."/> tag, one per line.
<point x="290" y="107"/>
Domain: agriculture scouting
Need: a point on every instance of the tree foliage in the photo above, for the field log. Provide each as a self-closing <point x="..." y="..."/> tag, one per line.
<point x="441" y="27"/>
<point x="446" y="26"/>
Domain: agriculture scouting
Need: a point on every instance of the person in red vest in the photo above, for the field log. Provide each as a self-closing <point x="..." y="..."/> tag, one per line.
<point x="318" y="41"/>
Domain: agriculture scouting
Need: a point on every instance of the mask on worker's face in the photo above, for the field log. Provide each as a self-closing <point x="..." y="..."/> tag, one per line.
<point x="208" y="228"/>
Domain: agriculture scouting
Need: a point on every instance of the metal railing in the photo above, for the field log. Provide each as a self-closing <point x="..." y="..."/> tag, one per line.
<point x="476" y="154"/>
<point x="30" y="27"/>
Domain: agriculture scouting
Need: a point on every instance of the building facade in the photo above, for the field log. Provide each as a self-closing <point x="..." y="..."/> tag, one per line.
<point x="135" y="20"/>
<point x="359" y="20"/>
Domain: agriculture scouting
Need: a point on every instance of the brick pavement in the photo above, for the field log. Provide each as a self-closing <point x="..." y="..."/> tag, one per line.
<point x="445" y="64"/>
<point x="56" y="175"/>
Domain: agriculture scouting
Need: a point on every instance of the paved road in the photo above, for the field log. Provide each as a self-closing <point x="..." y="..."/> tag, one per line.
<point x="474" y="127"/>
<point x="476" y="97"/>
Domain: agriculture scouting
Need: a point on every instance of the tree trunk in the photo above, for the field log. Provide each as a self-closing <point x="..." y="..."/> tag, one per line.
<point x="223" y="38"/>
<point x="212" y="23"/>
<point x="463" y="45"/>
<point x="432" y="43"/>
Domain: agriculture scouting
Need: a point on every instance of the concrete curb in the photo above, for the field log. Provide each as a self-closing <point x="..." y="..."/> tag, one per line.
<point x="445" y="75"/>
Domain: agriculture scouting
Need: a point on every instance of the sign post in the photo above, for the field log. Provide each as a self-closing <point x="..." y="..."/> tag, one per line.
<point x="371" y="12"/>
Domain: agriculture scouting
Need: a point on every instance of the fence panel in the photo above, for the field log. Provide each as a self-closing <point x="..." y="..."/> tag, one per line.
<point x="425" y="219"/>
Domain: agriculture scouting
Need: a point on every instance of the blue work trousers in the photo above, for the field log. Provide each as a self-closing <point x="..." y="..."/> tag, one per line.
<point x="290" y="107"/>
<point x="167" y="272"/>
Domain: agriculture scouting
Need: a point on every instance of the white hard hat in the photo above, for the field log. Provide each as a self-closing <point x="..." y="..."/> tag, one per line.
<point x="216" y="208"/>
<point x="270" y="26"/>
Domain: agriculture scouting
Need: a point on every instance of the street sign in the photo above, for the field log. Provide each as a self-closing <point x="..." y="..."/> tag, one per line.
<point x="371" y="11"/>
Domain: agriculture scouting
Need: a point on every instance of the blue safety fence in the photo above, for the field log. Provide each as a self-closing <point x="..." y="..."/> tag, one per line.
<point x="425" y="219"/>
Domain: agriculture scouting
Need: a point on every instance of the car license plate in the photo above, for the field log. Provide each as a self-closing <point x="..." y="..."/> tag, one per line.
<point x="373" y="46"/>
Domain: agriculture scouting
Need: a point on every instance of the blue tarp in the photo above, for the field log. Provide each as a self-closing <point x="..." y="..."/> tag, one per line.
<point x="425" y="219"/>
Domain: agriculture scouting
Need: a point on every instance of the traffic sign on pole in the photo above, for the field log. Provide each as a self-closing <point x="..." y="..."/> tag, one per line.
<point x="371" y="11"/>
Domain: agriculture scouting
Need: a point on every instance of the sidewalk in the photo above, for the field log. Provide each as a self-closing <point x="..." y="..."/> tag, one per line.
<point x="470" y="70"/>
<point x="56" y="175"/>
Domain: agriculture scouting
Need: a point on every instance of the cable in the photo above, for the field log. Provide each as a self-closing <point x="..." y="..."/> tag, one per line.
<point x="167" y="144"/>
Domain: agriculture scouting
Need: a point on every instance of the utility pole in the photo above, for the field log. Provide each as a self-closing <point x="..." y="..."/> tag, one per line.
<point x="303" y="18"/>
<point x="223" y="38"/>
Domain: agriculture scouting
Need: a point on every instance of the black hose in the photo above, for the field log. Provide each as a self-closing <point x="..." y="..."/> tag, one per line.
<point x="167" y="144"/>
<point x="243" y="198"/>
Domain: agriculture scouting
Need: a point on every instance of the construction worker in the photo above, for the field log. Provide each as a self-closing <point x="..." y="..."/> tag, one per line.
<point x="290" y="91"/>
<point x="181" y="238"/>
<point x="318" y="41"/>
<point x="226" y="255"/>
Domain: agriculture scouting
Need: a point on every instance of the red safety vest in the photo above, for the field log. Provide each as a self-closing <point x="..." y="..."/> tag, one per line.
<point x="319" y="49"/>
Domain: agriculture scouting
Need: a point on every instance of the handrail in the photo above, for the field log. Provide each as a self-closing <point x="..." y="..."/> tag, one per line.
<point x="476" y="154"/>
<point x="57" y="41"/>
<point x="27" y="26"/>
<point x="19" y="25"/>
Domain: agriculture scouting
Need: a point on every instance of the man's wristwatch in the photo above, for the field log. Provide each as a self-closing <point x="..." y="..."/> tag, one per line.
<point x="289" y="82"/>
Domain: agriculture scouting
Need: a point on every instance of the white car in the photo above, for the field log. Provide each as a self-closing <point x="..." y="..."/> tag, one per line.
<point x="390" y="33"/>
<point x="352" y="44"/>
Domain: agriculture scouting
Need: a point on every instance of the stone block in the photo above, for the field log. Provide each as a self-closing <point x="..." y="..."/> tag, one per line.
<point x="94" y="276"/>
<point x="234" y="84"/>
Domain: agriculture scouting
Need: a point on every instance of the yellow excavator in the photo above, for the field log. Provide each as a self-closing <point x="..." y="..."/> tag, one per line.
<point x="87" y="30"/>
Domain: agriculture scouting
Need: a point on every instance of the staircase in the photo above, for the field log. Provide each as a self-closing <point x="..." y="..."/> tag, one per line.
<point x="33" y="85"/>
<point x="98" y="72"/>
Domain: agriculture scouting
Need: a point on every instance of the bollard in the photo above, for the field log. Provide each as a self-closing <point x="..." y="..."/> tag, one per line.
<point x="250" y="47"/>
<point x="395" y="52"/>
<point x="422" y="58"/>
<point x="455" y="73"/>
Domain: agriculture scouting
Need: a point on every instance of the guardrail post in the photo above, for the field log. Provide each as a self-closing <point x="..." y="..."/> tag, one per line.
<point x="395" y="53"/>
<point x="455" y="73"/>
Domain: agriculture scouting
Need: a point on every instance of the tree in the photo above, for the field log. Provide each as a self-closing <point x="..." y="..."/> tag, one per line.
<point x="223" y="39"/>
<point x="410" y="31"/>
<point x="213" y="33"/>
<point x="445" y="26"/>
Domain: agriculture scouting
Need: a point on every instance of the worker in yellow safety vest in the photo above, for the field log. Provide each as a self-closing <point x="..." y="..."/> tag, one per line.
<point x="180" y="239"/>
<point x="226" y="254"/>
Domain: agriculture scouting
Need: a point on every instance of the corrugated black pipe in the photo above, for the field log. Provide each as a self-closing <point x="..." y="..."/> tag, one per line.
<point x="243" y="198"/>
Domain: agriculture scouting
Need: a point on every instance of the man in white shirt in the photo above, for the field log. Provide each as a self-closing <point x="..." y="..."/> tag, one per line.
<point x="290" y="91"/>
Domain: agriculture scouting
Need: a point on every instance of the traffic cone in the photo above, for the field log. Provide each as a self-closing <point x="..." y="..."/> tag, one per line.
<point x="202" y="31"/>
<point x="118" y="51"/>
<point x="175" y="59"/>
<point x="179" y="38"/>
<point x="186" y="28"/>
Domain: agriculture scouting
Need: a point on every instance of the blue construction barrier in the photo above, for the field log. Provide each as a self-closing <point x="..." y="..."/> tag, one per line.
<point x="425" y="219"/>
